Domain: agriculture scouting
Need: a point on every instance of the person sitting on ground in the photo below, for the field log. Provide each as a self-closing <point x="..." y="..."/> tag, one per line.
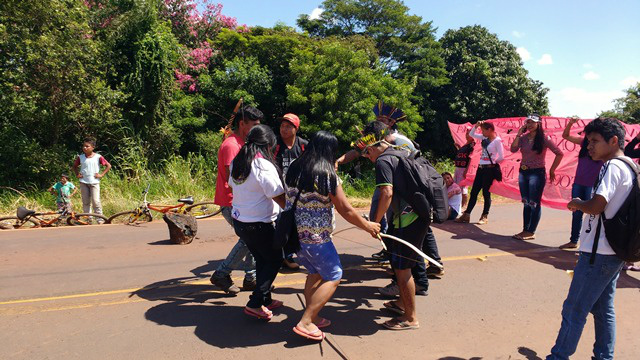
<point x="239" y="258"/>
<point x="593" y="285"/>
<point x="312" y="180"/>
<point x="63" y="190"/>
<point x="533" y="174"/>
<point x="288" y="148"/>
<point x="488" y="170"/>
<point x="461" y="162"/>
<point x="586" y="175"/>
<point x="257" y="192"/>
<point x="454" y="193"/>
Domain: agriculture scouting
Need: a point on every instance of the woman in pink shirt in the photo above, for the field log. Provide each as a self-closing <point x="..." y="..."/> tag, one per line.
<point x="533" y="174"/>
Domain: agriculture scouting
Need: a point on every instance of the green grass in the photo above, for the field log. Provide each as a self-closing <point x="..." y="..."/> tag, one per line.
<point x="173" y="179"/>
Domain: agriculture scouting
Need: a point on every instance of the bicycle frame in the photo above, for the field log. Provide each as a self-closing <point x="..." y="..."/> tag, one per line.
<point x="45" y="223"/>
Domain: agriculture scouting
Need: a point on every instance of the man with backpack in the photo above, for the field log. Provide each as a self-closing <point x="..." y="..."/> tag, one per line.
<point x="405" y="222"/>
<point x="596" y="273"/>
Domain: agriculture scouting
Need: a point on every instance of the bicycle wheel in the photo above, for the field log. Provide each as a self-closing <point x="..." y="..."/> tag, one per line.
<point x="12" y="222"/>
<point x="129" y="218"/>
<point x="203" y="210"/>
<point x="86" y="219"/>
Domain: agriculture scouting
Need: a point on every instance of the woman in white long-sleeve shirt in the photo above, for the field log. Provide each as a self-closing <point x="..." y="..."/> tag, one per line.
<point x="488" y="170"/>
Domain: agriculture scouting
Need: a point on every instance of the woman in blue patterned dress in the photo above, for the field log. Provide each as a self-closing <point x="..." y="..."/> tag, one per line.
<point x="313" y="175"/>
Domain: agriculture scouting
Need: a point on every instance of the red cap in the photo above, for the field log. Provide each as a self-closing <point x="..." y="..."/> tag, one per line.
<point x="292" y="118"/>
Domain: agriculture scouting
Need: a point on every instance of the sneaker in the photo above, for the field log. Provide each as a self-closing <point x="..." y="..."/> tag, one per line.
<point x="391" y="290"/>
<point x="435" y="271"/>
<point x="464" y="218"/>
<point x="379" y="255"/>
<point x="225" y="283"/>
<point x="483" y="220"/>
<point x="422" y="291"/>
<point x="569" y="245"/>
<point x="249" y="285"/>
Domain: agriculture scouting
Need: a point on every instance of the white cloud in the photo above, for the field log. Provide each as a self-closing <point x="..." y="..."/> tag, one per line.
<point x="525" y="55"/>
<point x="584" y="103"/>
<point x="315" y="14"/>
<point x="630" y="81"/>
<point x="517" y="34"/>
<point x="590" y="75"/>
<point x="587" y="66"/>
<point x="545" y="60"/>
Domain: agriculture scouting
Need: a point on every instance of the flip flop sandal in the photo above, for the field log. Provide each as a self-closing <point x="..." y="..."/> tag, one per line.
<point x="258" y="314"/>
<point x="530" y="237"/>
<point x="275" y="304"/>
<point x="316" y="335"/>
<point x="518" y="236"/>
<point x="391" y="306"/>
<point x="323" y="323"/>
<point x="394" y="324"/>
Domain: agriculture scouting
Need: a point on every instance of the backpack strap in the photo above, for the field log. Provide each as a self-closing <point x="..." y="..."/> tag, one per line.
<point x="635" y="171"/>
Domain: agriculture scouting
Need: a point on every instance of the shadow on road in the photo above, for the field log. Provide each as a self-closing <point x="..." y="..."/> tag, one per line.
<point x="559" y="259"/>
<point x="223" y="325"/>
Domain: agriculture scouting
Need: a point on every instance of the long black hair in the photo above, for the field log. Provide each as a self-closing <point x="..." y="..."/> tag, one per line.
<point x="538" y="139"/>
<point x="260" y="140"/>
<point x="314" y="170"/>
<point x="584" y="152"/>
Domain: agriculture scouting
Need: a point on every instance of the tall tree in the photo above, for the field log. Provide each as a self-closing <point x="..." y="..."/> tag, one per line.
<point x="627" y="108"/>
<point x="487" y="80"/>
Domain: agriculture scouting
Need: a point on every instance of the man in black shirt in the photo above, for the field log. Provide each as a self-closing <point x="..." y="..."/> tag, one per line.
<point x="405" y="224"/>
<point x="289" y="146"/>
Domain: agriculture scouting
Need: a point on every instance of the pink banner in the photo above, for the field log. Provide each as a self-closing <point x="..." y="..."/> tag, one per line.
<point x="556" y="194"/>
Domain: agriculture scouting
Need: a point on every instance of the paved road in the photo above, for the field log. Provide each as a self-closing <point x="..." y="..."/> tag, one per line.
<point x="120" y="292"/>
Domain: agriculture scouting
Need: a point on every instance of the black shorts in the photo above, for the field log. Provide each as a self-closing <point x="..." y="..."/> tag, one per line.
<point x="403" y="257"/>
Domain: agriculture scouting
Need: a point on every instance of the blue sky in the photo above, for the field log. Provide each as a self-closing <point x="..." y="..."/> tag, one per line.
<point x="586" y="52"/>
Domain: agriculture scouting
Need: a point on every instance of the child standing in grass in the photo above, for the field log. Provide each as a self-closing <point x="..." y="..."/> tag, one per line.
<point x="87" y="169"/>
<point x="63" y="190"/>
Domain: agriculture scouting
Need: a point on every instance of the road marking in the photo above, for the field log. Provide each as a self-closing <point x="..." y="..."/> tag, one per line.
<point x="206" y="281"/>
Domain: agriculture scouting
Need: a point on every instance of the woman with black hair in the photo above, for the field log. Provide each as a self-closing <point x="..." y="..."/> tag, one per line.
<point x="312" y="184"/>
<point x="488" y="170"/>
<point x="258" y="195"/>
<point x="533" y="174"/>
<point x="586" y="175"/>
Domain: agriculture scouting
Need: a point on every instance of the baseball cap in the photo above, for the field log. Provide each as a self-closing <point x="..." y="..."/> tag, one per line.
<point x="533" y="117"/>
<point x="292" y="118"/>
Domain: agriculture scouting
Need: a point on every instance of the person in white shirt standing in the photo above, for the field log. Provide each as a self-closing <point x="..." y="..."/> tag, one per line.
<point x="87" y="169"/>
<point x="258" y="196"/>
<point x="595" y="276"/>
<point x="488" y="170"/>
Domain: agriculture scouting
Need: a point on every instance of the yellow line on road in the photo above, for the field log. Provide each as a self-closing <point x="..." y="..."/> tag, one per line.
<point x="206" y="281"/>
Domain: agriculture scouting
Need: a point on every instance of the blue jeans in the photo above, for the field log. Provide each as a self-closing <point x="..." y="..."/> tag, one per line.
<point x="239" y="257"/>
<point x="592" y="291"/>
<point x="374" y="207"/>
<point x="584" y="193"/>
<point x="531" y="183"/>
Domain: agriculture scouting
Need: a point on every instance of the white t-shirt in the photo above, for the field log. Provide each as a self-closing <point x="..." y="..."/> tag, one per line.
<point x="89" y="167"/>
<point x="495" y="149"/>
<point x="615" y="184"/>
<point x="455" y="197"/>
<point x="252" y="198"/>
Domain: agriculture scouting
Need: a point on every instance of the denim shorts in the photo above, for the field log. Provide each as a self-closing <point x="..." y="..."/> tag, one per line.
<point x="321" y="259"/>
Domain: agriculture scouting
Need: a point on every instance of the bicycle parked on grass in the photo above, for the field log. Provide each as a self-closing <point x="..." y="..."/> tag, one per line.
<point x="26" y="218"/>
<point x="142" y="213"/>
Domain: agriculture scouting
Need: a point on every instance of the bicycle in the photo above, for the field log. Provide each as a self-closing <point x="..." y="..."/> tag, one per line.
<point x="26" y="218"/>
<point x="142" y="213"/>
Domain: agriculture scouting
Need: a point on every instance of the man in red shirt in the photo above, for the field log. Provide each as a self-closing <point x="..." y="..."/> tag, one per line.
<point x="239" y="258"/>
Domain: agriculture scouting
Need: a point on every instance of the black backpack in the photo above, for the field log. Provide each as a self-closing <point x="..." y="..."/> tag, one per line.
<point x="623" y="229"/>
<point x="419" y="184"/>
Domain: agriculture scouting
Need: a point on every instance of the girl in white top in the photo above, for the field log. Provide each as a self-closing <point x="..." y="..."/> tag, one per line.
<point x="488" y="170"/>
<point x="258" y="196"/>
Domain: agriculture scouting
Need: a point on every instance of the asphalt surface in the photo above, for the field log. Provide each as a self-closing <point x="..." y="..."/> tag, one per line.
<point x="124" y="292"/>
